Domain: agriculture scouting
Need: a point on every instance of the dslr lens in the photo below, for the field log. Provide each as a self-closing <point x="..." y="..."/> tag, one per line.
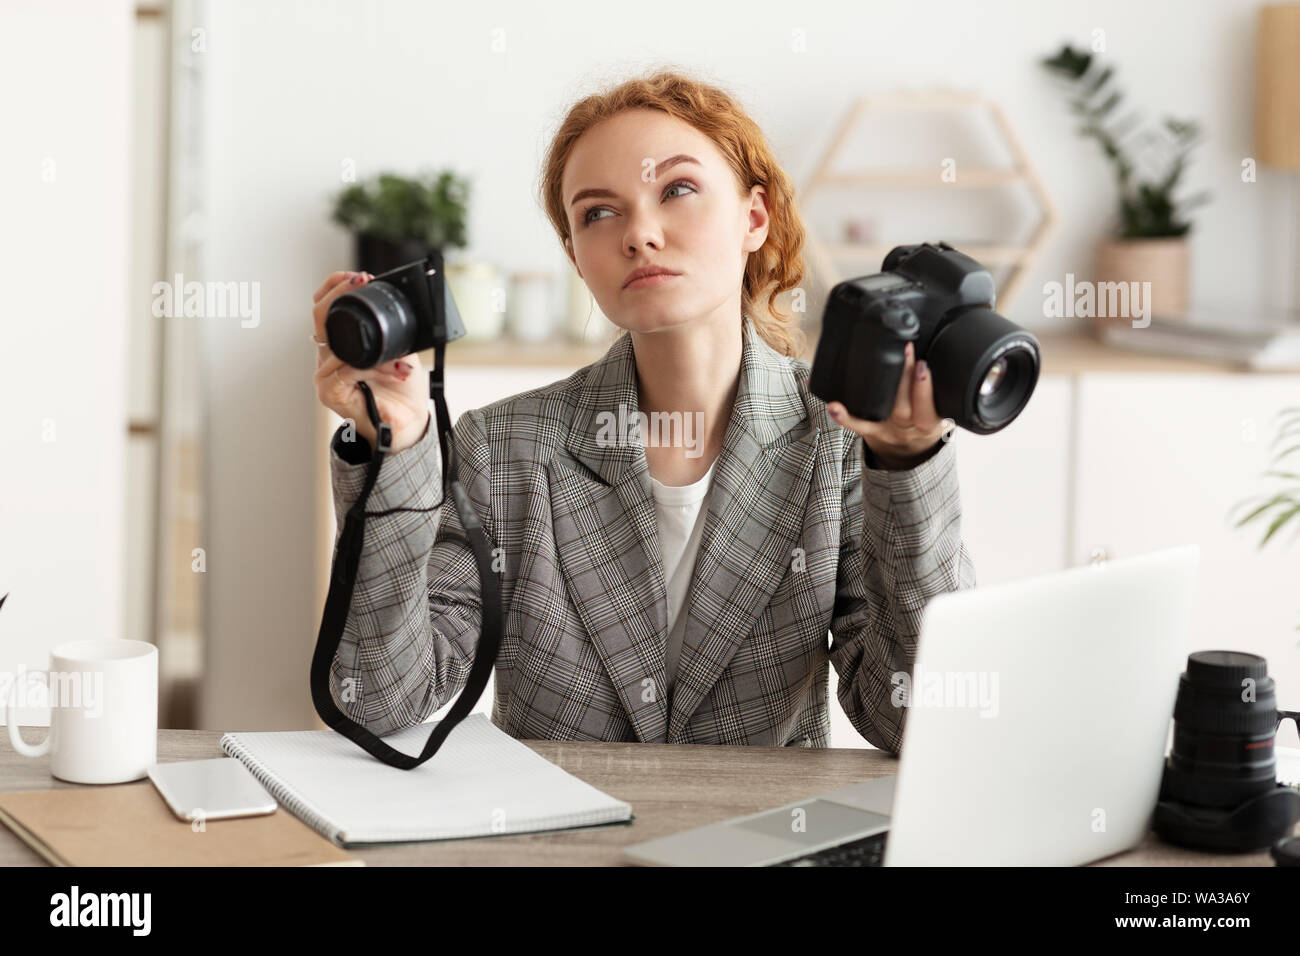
<point x="1225" y="719"/>
<point x="371" y="325"/>
<point x="993" y="378"/>
<point x="984" y="370"/>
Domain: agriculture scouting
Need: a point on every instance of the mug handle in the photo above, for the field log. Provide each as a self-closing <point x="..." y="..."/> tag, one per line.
<point x="20" y="745"/>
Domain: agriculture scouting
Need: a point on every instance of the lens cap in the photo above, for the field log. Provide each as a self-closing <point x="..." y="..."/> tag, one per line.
<point x="1226" y="668"/>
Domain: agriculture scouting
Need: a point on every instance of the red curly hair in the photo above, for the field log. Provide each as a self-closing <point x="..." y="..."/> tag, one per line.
<point x="775" y="268"/>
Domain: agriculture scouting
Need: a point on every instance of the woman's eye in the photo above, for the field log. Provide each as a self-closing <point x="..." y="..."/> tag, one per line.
<point x="587" y="216"/>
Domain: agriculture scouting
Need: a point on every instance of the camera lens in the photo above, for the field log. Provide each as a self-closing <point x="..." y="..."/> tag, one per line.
<point x="994" y="377"/>
<point x="984" y="370"/>
<point x="1225" y="719"/>
<point x="371" y="325"/>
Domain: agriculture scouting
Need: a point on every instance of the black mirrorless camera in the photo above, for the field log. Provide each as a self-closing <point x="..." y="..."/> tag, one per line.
<point x="984" y="367"/>
<point x="408" y="309"/>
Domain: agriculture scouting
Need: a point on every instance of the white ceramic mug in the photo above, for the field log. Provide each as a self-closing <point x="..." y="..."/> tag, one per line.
<point x="103" y="698"/>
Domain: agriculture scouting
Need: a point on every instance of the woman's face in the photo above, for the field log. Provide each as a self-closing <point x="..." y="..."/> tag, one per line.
<point x="630" y="205"/>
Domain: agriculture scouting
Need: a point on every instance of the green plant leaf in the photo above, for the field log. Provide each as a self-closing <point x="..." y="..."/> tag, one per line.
<point x="1281" y="498"/>
<point x="1069" y="62"/>
<point x="1281" y="455"/>
<point x="1151" y="210"/>
<point x="1093" y="86"/>
<point x="1127" y="126"/>
<point x="1107" y="105"/>
<point x="1288" y="431"/>
<point x="428" y="207"/>
<point x="1175" y="173"/>
<point x="1279" y="521"/>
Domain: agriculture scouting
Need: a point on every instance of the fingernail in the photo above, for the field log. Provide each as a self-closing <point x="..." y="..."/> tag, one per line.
<point x="402" y="368"/>
<point x="835" y="412"/>
<point x="921" y="370"/>
<point x="910" y="351"/>
<point x="356" y="280"/>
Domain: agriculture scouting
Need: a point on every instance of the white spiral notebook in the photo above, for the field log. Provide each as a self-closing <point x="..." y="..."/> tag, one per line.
<point x="481" y="782"/>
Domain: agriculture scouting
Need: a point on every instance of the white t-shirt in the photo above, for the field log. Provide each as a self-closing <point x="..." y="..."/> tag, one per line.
<point x="681" y="510"/>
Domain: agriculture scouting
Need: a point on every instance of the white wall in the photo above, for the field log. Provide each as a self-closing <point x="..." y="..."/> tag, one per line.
<point x="65" y="246"/>
<point x="301" y="88"/>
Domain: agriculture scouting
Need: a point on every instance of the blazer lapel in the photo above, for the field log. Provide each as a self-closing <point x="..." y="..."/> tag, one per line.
<point x="756" y="514"/>
<point x="607" y="540"/>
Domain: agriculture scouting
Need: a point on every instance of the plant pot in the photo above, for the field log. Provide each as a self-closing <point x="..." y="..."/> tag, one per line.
<point x="376" y="255"/>
<point x="1161" y="262"/>
<point x="528" y="308"/>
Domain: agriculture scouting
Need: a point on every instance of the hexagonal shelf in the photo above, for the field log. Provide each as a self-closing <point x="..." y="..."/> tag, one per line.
<point x="991" y="254"/>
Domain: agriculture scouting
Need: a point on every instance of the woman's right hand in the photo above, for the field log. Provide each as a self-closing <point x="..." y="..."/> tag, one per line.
<point x="401" y="392"/>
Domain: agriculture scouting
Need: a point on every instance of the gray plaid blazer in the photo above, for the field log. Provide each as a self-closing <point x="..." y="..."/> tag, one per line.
<point x="810" y="556"/>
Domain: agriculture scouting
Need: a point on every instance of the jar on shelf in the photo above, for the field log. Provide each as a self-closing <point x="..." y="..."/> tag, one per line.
<point x="480" y="296"/>
<point x="585" y="322"/>
<point x="528" y="312"/>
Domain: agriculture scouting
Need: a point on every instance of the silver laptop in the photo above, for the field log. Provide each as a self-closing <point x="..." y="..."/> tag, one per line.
<point x="1038" y="722"/>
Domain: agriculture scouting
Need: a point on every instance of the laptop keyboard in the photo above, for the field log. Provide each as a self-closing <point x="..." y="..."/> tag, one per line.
<point x="869" y="851"/>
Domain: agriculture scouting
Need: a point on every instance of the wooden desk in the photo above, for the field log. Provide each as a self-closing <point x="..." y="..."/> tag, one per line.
<point x="671" y="787"/>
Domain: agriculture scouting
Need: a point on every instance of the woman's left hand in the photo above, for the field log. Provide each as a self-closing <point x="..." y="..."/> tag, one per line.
<point x="913" y="427"/>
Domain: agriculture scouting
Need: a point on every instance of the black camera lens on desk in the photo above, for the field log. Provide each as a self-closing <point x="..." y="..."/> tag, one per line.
<point x="984" y="367"/>
<point x="1220" y="788"/>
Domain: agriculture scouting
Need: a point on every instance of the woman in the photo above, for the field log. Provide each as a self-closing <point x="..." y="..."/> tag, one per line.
<point x="677" y="591"/>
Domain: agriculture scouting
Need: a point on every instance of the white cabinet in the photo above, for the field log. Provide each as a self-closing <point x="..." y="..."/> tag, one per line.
<point x="1013" y="486"/>
<point x="1162" y="460"/>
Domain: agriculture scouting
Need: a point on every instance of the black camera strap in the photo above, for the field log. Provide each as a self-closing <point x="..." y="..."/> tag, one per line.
<point x="347" y="557"/>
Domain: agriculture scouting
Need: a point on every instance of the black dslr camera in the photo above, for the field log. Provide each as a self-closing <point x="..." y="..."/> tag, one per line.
<point x="408" y="309"/>
<point x="984" y="367"/>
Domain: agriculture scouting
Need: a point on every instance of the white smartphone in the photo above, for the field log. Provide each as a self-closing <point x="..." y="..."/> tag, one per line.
<point x="211" y="789"/>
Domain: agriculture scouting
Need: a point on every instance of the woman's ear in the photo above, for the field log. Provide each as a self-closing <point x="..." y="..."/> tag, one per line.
<point x="568" y="251"/>
<point x="758" y="219"/>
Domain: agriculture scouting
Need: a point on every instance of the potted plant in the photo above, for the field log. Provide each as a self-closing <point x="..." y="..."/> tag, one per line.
<point x="396" y="220"/>
<point x="1150" y="244"/>
<point x="1283" y="506"/>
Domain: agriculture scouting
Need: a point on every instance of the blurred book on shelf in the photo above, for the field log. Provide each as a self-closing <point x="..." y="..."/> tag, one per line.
<point x="1260" y="341"/>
